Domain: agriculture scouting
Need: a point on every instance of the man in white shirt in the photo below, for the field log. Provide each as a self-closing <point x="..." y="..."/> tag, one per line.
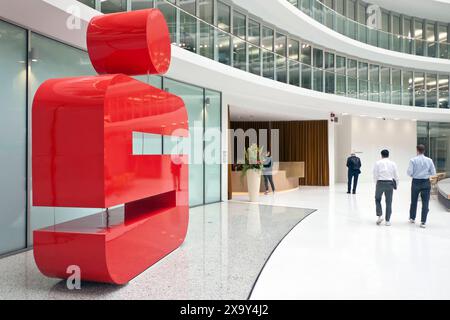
<point x="385" y="175"/>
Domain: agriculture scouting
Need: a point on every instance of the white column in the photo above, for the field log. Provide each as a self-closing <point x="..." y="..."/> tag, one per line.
<point x="331" y="154"/>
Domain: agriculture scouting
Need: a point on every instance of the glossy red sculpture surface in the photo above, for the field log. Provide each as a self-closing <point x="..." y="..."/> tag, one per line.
<point x="82" y="156"/>
<point x="133" y="43"/>
<point x="83" y="141"/>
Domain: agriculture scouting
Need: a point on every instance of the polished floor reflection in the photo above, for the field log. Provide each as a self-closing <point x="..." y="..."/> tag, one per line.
<point x="340" y="253"/>
<point x="226" y="247"/>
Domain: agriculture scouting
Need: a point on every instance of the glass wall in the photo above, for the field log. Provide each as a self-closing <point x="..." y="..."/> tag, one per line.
<point x="306" y="59"/>
<point x="341" y="83"/>
<point x="52" y="59"/>
<point x="27" y="56"/>
<point x="436" y="137"/>
<point x="419" y="89"/>
<point x="397" y="33"/>
<point x="111" y="6"/>
<point x="204" y="146"/>
<point x="408" y="88"/>
<point x="13" y="137"/>
<point x="268" y="56"/>
<point x="294" y="65"/>
<point x="443" y="91"/>
<point x="193" y="99"/>
<point x="281" y="54"/>
<point x="431" y="83"/>
<point x="213" y="119"/>
<point x="141" y="4"/>
<point x="374" y="82"/>
<point x="239" y="46"/>
<point x="352" y="73"/>
<point x="329" y="73"/>
<point x="363" y="77"/>
<point x="223" y="38"/>
<point x="230" y="36"/>
<point x="318" y="69"/>
<point x="254" y="51"/>
<point x="385" y="85"/>
<point x="396" y="86"/>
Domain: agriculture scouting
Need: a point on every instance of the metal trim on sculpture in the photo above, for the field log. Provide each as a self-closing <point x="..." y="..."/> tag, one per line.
<point x="82" y="156"/>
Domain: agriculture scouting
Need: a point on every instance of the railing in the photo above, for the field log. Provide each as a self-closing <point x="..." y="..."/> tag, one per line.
<point x="375" y="37"/>
<point x="349" y="77"/>
<point x="196" y="35"/>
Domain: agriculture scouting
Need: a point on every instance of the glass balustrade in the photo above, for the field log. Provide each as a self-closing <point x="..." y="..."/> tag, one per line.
<point x="267" y="53"/>
<point x="375" y="37"/>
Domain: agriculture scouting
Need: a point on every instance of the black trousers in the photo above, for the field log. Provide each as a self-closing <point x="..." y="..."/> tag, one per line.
<point x="420" y="187"/>
<point x="267" y="179"/>
<point x="386" y="188"/>
<point x="352" y="175"/>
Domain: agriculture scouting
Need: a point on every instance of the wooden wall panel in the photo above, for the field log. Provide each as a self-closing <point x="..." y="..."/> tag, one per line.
<point x="300" y="141"/>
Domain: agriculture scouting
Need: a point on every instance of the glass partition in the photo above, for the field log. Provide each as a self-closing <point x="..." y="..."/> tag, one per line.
<point x="204" y="142"/>
<point x="329" y="73"/>
<point x="112" y="6"/>
<point x="13" y="137"/>
<point x="193" y="99"/>
<point x="443" y="91"/>
<point x="239" y="45"/>
<point x="436" y="137"/>
<point x="213" y="144"/>
<point x="431" y="83"/>
<point x="294" y="65"/>
<point x="341" y="83"/>
<point x="363" y="77"/>
<point x="141" y="4"/>
<point x="419" y="89"/>
<point x="229" y="36"/>
<point x="412" y="36"/>
<point x="52" y="59"/>
<point x="318" y="69"/>
<point x="408" y="88"/>
<point x="396" y="86"/>
<point x="385" y="85"/>
<point x="374" y="78"/>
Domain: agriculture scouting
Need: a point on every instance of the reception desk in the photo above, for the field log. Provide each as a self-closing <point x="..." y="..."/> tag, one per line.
<point x="443" y="188"/>
<point x="286" y="176"/>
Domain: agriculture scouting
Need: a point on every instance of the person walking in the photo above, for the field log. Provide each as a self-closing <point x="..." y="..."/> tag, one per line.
<point x="385" y="174"/>
<point x="420" y="169"/>
<point x="267" y="173"/>
<point x="354" y="170"/>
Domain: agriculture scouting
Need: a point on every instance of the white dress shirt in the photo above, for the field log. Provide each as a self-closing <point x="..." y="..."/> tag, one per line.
<point x="385" y="169"/>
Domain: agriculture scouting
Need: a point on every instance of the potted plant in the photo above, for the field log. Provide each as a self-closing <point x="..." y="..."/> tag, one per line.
<point x="252" y="169"/>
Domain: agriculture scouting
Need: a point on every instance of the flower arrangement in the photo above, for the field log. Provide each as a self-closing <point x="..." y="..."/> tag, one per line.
<point x="253" y="159"/>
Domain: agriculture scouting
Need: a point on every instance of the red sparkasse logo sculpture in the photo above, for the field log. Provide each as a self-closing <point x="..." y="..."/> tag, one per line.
<point x="82" y="156"/>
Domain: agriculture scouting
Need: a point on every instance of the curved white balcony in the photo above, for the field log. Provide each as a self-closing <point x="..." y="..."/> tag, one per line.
<point x="287" y="17"/>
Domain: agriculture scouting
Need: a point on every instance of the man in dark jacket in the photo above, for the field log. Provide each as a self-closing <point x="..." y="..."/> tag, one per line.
<point x="354" y="170"/>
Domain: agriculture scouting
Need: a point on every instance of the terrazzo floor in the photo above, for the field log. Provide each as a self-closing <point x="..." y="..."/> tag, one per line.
<point x="226" y="247"/>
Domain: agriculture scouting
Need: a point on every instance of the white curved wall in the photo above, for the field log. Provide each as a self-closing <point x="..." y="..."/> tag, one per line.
<point x="287" y="17"/>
